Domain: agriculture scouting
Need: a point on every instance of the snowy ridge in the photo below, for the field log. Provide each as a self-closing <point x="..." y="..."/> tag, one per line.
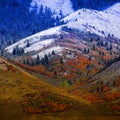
<point x="55" y="5"/>
<point x="35" y="40"/>
<point x="56" y="49"/>
<point x="99" y="22"/>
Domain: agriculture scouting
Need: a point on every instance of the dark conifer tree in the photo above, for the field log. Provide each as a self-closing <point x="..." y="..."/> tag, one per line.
<point x="37" y="60"/>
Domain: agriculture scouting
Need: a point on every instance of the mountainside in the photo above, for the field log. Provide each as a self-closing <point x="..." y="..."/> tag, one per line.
<point x="108" y="78"/>
<point x="20" y="18"/>
<point x="38" y="40"/>
<point x="102" y="88"/>
<point x="68" y="70"/>
<point x="59" y="7"/>
<point x="66" y="55"/>
<point x="22" y="96"/>
<point x="17" y="21"/>
<point x="67" y="6"/>
<point x="103" y="23"/>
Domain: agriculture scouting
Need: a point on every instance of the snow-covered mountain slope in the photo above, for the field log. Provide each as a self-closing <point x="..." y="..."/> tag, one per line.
<point x="40" y="44"/>
<point x="99" y="22"/>
<point x="36" y="41"/>
<point x="115" y="9"/>
<point x="55" y="5"/>
<point x="102" y="23"/>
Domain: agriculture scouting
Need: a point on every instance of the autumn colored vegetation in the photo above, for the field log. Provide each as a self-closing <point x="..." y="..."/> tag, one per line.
<point x="37" y="69"/>
<point x="93" y="98"/>
<point x="77" y="70"/>
<point x="11" y="68"/>
<point x="45" y="104"/>
<point x="112" y="96"/>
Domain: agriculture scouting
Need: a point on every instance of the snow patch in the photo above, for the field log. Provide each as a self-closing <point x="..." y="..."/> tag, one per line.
<point x="56" y="49"/>
<point x="39" y="45"/>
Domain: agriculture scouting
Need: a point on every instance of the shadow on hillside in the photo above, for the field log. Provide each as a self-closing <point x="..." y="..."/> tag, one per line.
<point x="93" y="4"/>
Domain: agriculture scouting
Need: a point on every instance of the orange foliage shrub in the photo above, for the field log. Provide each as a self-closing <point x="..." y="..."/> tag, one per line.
<point x="106" y="88"/>
<point x="93" y="98"/>
<point x="112" y="96"/>
<point x="68" y="76"/>
<point x="116" y="107"/>
<point x="45" y="107"/>
<point x="29" y="110"/>
<point x="37" y="69"/>
<point x="117" y="84"/>
<point x="11" y="68"/>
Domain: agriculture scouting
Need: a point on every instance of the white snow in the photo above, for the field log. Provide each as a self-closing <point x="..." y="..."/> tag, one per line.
<point x="57" y="5"/>
<point x="56" y="49"/>
<point x="35" y="40"/>
<point x="115" y="9"/>
<point x="96" y="21"/>
<point x="39" y="45"/>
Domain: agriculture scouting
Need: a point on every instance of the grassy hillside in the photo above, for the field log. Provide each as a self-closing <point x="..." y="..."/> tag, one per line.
<point x="103" y="89"/>
<point x="24" y="97"/>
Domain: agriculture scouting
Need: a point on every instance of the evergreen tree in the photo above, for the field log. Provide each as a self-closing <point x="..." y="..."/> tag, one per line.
<point x="46" y="60"/>
<point x="18" y="51"/>
<point x="37" y="60"/>
<point x="28" y="44"/>
<point x="53" y="52"/>
<point x="110" y="46"/>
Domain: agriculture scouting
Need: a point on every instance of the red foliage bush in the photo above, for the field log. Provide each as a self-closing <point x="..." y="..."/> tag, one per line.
<point x="116" y="107"/>
<point x="112" y="96"/>
<point x="37" y="69"/>
<point x="11" y="68"/>
<point x="93" y="98"/>
<point x="106" y="88"/>
<point x="45" y="107"/>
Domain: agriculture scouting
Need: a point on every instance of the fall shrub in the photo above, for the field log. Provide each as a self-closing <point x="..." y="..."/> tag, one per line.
<point x="116" y="107"/>
<point x="112" y="96"/>
<point x="105" y="88"/>
<point x="11" y="68"/>
<point x="93" y="98"/>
